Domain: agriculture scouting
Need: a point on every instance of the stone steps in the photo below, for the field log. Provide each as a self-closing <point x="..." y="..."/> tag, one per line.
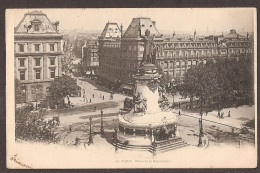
<point x="132" y="147"/>
<point x="155" y="148"/>
<point x="165" y="142"/>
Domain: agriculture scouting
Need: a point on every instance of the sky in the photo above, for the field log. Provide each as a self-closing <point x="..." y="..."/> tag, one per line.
<point x="186" y="20"/>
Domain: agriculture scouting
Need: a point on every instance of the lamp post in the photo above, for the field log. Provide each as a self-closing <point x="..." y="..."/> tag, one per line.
<point x="115" y="139"/>
<point x="102" y="127"/>
<point x="200" y="140"/>
<point x="90" y="141"/>
<point x="201" y="128"/>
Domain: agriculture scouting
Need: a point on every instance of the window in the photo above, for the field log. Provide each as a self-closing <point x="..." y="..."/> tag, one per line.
<point x="37" y="47"/>
<point x="52" y="61"/>
<point x="38" y="74"/>
<point x="53" y="73"/>
<point x="21" y="47"/>
<point x="22" y="75"/>
<point x="37" y="62"/>
<point x="51" y="47"/>
<point x="21" y="62"/>
<point x="36" y="28"/>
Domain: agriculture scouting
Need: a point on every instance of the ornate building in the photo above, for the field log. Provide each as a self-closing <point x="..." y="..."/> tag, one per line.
<point x="109" y="54"/>
<point x="38" y="49"/>
<point x="120" y="57"/>
<point x="90" y="56"/>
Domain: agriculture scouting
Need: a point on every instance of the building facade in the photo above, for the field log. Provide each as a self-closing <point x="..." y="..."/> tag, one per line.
<point x="120" y="57"/>
<point x="90" y="57"/>
<point x="109" y="54"/>
<point x="38" y="50"/>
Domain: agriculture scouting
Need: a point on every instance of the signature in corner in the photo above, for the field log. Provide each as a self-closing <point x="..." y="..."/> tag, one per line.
<point x="16" y="160"/>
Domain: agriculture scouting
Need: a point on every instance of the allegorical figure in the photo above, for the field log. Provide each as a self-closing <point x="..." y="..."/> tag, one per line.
<point x="149" y="54"/>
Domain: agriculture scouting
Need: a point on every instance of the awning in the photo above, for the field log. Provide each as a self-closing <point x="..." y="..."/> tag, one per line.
<point x="92" y="72"/>
<point x="88" y="72"/>
<point x="125" y="86"/>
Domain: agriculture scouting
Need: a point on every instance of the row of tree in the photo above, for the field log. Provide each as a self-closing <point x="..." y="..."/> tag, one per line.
<point x="220" y="81"/>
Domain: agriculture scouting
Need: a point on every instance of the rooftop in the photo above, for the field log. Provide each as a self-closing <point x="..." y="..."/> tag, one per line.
<point x="30" y="19"/>
<point x="111" y="30"/>
<point x="139" y="25"/>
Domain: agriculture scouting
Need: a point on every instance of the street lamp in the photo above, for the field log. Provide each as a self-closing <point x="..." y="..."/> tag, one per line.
<point x="102" y="127"/>
<point x="115" y="139"/>
<point x="200" y="140"/>
<point x="201" y="128"/>
<point x="90" y="141"/>
<point x="201" y="134"/>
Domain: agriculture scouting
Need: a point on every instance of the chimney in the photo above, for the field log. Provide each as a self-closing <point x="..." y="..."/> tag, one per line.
<point x="195" y="35"/>
<point x="56" y="24"/>
<point x="173" y="35"/>
<point x="121" y="30"/>
<point x="154" y="23"/>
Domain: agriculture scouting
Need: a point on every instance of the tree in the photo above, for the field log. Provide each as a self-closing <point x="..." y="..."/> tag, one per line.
<point x="188" y="86"/>
<point x="220" y="81"/>
<point x="32" y="127"/>
<point x="81" y="68"/>
<point x="19" y="93"/>
<point x="60" y="88"/>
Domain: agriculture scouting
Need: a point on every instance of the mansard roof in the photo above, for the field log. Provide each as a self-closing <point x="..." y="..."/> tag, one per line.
<point x="111" y="30"/>
<point x="143" y="23"/>
<point x="30" y="18"/>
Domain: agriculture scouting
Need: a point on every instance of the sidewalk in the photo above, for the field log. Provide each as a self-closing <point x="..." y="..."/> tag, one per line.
<point x="239" y="115"/>
<point x="91" y="91"/>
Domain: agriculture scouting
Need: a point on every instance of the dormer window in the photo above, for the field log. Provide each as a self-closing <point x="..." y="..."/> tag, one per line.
<point x="36" y="28"/>
<point x="35" y="23"/>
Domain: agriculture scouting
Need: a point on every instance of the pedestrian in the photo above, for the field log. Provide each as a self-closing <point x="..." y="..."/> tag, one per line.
<point x="179" y="104"/>
<point x="228" y="113"/>
<point x="95" y="108"/>
<point x="70" y="128"/>
<point x="69" y="103"/>
<point x="76" y="141"/>
<point x="93" y="95"/>
<point x="90" y="100"/>
<point x="218" y="113"/>
<point x="222" y="114"/>
<point x="179" y="113"/>
<point x="206" y="113"/>
<point x="83" y="93"/>
<point x="101" y="111"/>
<point x="103" y="97"/>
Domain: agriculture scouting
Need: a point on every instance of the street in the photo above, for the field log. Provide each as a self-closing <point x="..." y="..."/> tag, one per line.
<point x="217" y="130"/>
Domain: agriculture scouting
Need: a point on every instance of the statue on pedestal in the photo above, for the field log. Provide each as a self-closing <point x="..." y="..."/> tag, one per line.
<point x="149" y="54"/>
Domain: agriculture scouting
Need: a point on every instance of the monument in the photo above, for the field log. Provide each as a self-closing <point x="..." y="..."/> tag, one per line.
<point x="146" y="126"/>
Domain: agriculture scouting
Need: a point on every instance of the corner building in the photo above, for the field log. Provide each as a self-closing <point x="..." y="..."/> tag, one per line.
<point x="90" y="56"/>
<point x="38" y="50"/>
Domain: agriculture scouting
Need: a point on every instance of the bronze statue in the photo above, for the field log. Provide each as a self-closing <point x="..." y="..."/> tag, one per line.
<point x="149" y="54"/>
